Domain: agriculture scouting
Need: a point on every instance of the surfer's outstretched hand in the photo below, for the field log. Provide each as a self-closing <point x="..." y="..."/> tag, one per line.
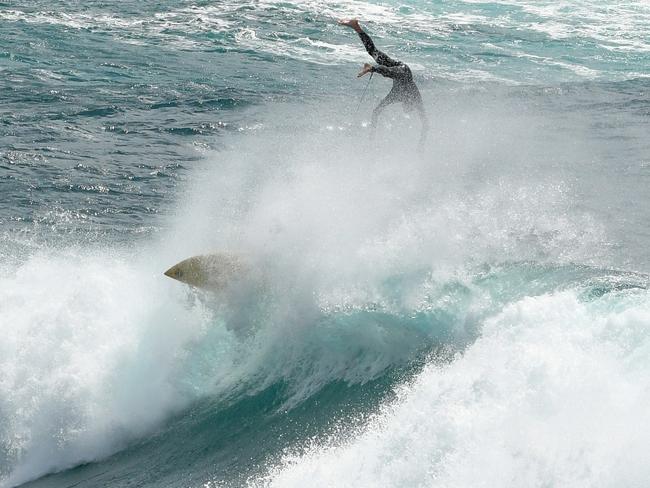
<point x="365" y="70"/>
<point x="352" y="23"/>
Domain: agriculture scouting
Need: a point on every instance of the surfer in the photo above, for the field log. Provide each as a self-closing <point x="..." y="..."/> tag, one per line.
<point x="404" y="88"/>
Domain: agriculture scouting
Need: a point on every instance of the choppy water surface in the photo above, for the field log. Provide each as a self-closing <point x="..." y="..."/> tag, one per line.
<point x="477" y="315"/>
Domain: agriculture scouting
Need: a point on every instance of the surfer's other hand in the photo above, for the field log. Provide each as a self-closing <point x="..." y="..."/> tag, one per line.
<point x="367" y="68"/>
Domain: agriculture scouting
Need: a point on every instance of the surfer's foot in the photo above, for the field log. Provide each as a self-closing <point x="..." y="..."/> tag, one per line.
<point x="353" y="23"/>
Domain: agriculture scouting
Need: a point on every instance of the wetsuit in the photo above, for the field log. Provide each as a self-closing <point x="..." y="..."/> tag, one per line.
<point x="404" y="88"/>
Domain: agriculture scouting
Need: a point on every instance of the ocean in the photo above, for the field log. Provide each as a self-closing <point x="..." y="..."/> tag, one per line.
<point x="474" y="314"/>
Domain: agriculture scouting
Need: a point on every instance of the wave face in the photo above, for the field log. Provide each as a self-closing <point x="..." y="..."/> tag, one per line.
<point x="476" y="314"/>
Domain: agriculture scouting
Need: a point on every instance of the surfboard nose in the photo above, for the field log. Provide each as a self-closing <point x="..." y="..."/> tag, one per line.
<point x="172" y="272"/>
<point x="181" y="272"/>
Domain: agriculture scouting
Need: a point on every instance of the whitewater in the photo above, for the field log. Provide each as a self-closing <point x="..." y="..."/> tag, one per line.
<point x="477" y="314"/>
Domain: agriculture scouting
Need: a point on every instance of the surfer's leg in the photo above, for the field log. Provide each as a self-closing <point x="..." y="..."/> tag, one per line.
<point x="379" y="56"/>
<point x="392" y="97"/>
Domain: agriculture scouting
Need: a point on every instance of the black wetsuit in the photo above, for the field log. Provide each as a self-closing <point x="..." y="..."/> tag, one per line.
<point x="404" y="88"/>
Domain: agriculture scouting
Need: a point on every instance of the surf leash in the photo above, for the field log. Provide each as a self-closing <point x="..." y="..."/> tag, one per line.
<point x="363" y="95"/>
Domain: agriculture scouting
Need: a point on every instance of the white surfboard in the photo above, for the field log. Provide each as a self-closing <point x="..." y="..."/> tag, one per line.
<point x="214" y="272"/>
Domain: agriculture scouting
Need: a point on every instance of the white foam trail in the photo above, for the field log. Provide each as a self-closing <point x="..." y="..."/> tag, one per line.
<point x="553" y="393"/>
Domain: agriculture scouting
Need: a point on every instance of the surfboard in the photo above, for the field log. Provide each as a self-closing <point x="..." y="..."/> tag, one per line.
<point x="213" y="272"/>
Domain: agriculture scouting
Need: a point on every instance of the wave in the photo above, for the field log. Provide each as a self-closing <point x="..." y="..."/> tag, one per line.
<point x="551" y="393"/>
<point x="521" y="342"/>
<point x="101" y="350"/>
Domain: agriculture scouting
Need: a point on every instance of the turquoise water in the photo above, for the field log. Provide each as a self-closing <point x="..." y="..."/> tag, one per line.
<point x="474" y="315"/>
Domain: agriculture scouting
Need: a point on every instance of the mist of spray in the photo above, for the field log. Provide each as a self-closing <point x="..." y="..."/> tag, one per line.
<point x="100" y="347"/>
